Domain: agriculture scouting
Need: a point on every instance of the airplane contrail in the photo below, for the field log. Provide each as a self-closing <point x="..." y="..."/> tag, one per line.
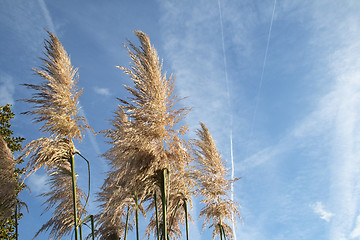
<point x="228" y="96"/>
<point x="231" y="122"/>
<point x="262" y="72"/>
<point x="47" y="16"/>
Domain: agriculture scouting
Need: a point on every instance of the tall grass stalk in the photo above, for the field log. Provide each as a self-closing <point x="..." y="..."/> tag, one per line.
<point x="144" y="140"/>
<point x="80" y="231"/>
<point x="174" y="213"/>
<point x="83" y="222"/>
<point x="223" y="232"/>
<point x="214" y="185"/>
<point x="157" y="217"/>
<point x="92" y="227"/>
<point x="57" y="107"/>
<point x="164" y="198"/>
<point x="127" y="222"/>
<point x="72" y="162"/>
<point x="91" y="217"/>
<point x="186" y="219"/>
<point x="16" y="222"/>
<point x="137" y="216"/>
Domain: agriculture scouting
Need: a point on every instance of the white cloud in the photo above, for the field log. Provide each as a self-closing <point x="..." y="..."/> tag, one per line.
<point x="102" y="91"/>
<point x="331" y="127"/>
<point x="37" y="183"/>
<point x="7" y="90"/>
<point x="337" y="116"/>
<point x="194" y="49"/>
<point x="262" y="156"/>
<point x="355" y="233"/>
<point x="319" y="209"/>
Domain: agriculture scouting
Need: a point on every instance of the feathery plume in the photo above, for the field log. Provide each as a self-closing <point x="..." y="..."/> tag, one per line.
<point x="213" y="185"/>
<point x="144" y="138"/>
<point x="56" y="106"/>
<point x="8" y="182"/>
<point x="56" y="99"/>
<point x="60" y="197"/>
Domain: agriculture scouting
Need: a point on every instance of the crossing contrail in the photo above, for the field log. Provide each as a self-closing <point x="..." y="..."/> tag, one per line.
<point x="262" y="72"/>
<point x="47" y="16"/>
<point x="231" y="121"/>
<point x="228" y="96"/>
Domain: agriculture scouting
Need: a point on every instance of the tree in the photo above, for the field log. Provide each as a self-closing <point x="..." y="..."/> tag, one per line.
<point x="8" y="228"/>
<point x="214" y="186"/>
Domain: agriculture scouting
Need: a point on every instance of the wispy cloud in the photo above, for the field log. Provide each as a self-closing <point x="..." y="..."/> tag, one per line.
<point x="332" y="126"/>
<point x="355" y="233"/>
<point x="194" y="51"/>
<point x="338" y="32"/>
<point x="198" y="43"/>
<point x="319" y="209"/>
<point x="193" y="44"/>
<point x="37" y="183"/>
<point x="102" y="91"/>
<point x="7" y="89"/>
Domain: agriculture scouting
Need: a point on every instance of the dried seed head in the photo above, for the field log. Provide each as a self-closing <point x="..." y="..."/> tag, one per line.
<point x="213" y="184"/>
<point x="57" y="107"/>
<point x="8" y="182"/>
<point x="56" y="98"/>
<point x="143" y="135"/>
<point x="60" y="196"/>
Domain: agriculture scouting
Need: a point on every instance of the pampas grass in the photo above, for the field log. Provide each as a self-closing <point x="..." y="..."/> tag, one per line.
<point x="60" y="197"/>
<point x="151" y="165"/>
<point x="214" y="186"/>
<point x="56" y="98"/>
<point x="145" y="141"/>
<point x="8" y="182"/>
<point x="56" y="107"/>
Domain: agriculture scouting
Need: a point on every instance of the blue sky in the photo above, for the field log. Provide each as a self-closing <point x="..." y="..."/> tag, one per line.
<point x="293" y="114"/>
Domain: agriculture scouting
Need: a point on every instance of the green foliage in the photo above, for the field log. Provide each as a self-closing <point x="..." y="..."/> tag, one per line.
<point x="8" y="230"/>
<point x="14" y="143"/>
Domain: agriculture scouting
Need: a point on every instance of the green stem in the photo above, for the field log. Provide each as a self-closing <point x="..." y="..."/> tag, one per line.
<point x="220" y="232"/>
<point x="137" y="216"/>
<point x="92" y="227"/>
<point x="87" y="198"/>
<point x="16" y="222"/>
<point x="91" y="217"/>
<point x="186" y="220"/>
<point x="72" y="162"/>
<point x="173" y="216"/>
<point x="80" y="232"/>
<point x="223" y="232"/>
<point x="88" y="164"/>
<point x="157" y="217"/>
<point x="164" y="202"/>
<point x="127" y="222"/>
